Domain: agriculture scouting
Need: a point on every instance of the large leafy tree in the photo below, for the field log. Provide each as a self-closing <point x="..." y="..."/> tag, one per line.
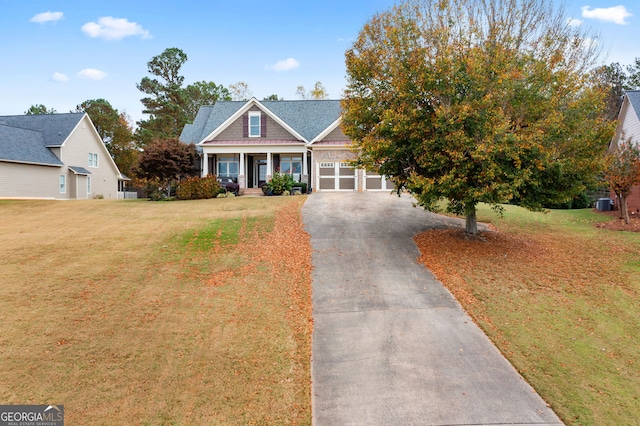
<point x="475" y="101"/>
<point x="166" y="98"/>
<point x="203" y="93"/>
<point x="623" y="172"/>
<point x="115" y="131"/>
<point x="167" y="161"/>
<point x="614" y="82"/>
<point x="169" y="104"/>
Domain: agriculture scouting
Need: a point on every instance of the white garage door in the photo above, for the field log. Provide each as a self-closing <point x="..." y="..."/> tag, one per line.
<point x="376" y="182"/>
<point x="335" y="176"/>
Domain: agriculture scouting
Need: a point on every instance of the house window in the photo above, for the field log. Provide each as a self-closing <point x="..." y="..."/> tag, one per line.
<point x="88" y="185"/>
<point x="93" y="159"/>
<point x="228" y="166"/>
<point x="254" y="124"/>
<point x="63" y="184"/>
<point x="291" y="166"/>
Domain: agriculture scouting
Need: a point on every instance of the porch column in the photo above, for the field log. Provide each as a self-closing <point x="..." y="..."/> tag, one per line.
<point x="241" y="173"/>
<point x="269" y="171"/>
<point x="305" y="171"/>
<point x="205" y="165"/>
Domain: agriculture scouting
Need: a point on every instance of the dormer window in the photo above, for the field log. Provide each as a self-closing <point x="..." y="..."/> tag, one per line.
<point x="254" y="124"/>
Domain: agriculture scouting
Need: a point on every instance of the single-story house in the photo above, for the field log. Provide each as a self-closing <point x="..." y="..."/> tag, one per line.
<point x="629" y="128"/>
<point x="250" y="140"/>
<point x="55" y="156"/>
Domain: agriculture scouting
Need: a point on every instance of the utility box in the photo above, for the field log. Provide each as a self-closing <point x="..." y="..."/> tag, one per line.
<point x="604" y="204"/>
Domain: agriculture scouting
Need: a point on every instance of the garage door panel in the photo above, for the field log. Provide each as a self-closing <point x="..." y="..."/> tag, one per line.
<point x="347" y="183"/>
<point x="374" y="183"/>
<point x="327" y="184"/>
<point x="336" y="176"/>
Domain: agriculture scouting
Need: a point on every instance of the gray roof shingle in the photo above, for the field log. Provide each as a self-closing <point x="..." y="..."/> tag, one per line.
<point x="26" y="138"/>
<point x="307" y="117"/>
<point x="634" y="98"/>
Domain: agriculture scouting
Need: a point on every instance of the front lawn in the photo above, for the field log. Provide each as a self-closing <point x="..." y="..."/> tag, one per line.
<point x="134" y="312"/>
<point x="559" y="297"/>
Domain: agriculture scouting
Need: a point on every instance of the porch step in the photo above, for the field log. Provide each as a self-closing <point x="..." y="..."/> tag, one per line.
<point x="253" y="192"/>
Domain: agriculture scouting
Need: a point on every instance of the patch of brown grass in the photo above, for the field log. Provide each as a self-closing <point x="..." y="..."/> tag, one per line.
<point x="106" y="308"/>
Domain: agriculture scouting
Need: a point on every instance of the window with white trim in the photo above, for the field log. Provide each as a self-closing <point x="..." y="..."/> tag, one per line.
<point x="88" y="185"/>
<point x="291" y="166"/>
<point x="254" y="124"/>
<point x="62" y="182"/>
<point x="93" y="159"/>
<point x="228" y="166"/>
<point x="327" y="165"/>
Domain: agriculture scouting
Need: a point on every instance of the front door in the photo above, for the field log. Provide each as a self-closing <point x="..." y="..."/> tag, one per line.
<point x="260" y="173"/>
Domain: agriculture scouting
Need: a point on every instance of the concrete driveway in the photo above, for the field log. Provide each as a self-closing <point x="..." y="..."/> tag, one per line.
<point x="390" y="344"/>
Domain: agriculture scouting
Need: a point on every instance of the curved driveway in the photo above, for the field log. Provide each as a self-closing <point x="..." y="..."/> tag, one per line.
<point x="390" y="344"/>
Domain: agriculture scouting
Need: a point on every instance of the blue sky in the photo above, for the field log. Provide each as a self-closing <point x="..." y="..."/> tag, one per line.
<point x="61" y="53"/>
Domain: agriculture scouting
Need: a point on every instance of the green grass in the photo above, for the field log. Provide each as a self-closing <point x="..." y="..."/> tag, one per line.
<point x="561" y="301"/>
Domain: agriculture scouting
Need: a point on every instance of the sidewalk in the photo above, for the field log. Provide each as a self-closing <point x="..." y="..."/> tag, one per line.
<point x="390" y="345"/>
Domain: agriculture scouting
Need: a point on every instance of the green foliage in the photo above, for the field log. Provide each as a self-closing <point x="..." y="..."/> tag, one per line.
<point x="39" y="109"/>
<point x="203" y="93"/>
<point x="169" y="105"/>
<point x="476" y="102"/>
<point x="280" y="183"/>
<point x="197" y="188"/>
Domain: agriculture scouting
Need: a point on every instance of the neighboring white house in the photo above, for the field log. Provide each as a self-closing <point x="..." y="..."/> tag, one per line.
<point x="629" y="128"/>
<point x="250" y="140"/>
<point x="55" y="156"/>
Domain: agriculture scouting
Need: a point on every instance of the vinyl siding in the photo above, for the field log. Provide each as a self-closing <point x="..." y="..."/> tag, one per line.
<point x="75" y="152"/>
<point x="31" y="181"/>
<point x="234" y="132"/>
<point x="631" y="124"/>
<point x="336" y="135"/>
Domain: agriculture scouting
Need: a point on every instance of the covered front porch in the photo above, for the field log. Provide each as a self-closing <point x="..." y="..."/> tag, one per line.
<point x="253" y="166"/>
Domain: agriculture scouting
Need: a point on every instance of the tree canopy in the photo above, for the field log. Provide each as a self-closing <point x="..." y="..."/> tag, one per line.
<point x="167" y="160"/>
<point x="474" y="101"/>
<point x="240" y="91"/>
<point x="39" y="109"/>
<point x="170" y="105"/>
<point x="318" y="92"/>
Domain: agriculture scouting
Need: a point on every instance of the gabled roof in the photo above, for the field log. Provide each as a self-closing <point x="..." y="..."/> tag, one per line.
<point x="25" y="146"/>
<point x="305" y="119"/>
<point x="634" y="99"/>
<point x="55" y="128"/>
<point x="27" y="138"/>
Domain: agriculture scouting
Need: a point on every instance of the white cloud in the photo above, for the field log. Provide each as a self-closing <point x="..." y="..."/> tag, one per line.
<point x="284" y="65"/>
<point x="44" y="17"/>
<point x="573" y="22"/>
<point x="59" y="77"/>
<point x="615" y="14"/>
<point x="91" y="74"/>
<point x="110" y="28"/>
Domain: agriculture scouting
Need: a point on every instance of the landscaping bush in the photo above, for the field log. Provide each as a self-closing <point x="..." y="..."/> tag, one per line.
<point x="280" y="183"/>
<point x="197" y="188"/>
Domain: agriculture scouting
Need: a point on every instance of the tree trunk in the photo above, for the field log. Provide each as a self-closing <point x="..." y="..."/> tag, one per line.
<point x="472" y="223"/>
<point x="624" y="210"/>
<point x="620" y="202"/>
